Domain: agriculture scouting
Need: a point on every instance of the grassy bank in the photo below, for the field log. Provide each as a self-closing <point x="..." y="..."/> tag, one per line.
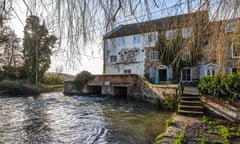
<point x="18" y="88"/>
<point x="205" y="130"/>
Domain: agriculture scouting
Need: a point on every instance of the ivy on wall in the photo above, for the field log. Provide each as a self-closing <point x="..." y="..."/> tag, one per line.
<point x="171" y="51"/>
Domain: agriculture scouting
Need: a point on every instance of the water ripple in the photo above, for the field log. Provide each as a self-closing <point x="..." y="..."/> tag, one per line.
<point x="55" y="118"/>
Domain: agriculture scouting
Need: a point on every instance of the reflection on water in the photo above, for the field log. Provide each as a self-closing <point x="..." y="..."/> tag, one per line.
<point x="54" y="118"/>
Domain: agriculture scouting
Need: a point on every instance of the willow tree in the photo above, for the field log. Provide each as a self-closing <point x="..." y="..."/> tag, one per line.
<point x="81" y="21"/>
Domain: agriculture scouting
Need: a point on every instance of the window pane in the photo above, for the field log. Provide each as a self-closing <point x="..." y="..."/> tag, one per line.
<point x="187" y="32"/>
<point x="186" y="75"/>
<point x="236" y="50"/>
<point x="113" y="58"/>
<point x="154" y="55"/>
<point x="136" y="39"/>
<point x="121" y="42"/>
<point x="171" y="34"/>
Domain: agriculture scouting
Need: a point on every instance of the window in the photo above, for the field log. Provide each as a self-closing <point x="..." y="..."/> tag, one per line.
<point x="151" y="37"/>
<point x="185" y="53"/>
<point x="136" y="39"/>
<point x="187" y="74"/>
<point x="127" y="71"/>
<point x="113" y="58"/>
<point x="187" y="32"/>
<point x="235" y="50"/>
<point x="171" y="34"/>
<point x="235" y="70"/>
<point x="154" y="55"/>
<point x="230" y="27"/>
<point x="121" y="42"/>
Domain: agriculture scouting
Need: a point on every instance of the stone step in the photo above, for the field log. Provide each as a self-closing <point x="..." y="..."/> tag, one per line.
<point x="191" y="106"/>
<point x="189" y="98"/>
<point x="190" y="112"/>
<point x="190" y="102"/>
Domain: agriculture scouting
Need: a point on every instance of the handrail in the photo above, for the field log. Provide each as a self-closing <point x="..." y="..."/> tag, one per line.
<point x="180" y="90"/>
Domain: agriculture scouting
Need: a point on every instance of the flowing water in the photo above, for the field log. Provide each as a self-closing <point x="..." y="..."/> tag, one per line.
<point x="55" y="118"/>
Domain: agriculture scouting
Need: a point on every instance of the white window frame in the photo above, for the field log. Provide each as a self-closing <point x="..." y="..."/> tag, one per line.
<point x="121" y="42"/>
<point x="151" y="38"/>
<point x="187" y="32"/>
<point x="136" y="39"/>
<point x="210" y="68"/>
<point x="232" y="49"/>
<point x="171" y="34"/>
<point x="113" y="58"/>
<point x="190" y="74"/>
<point x="154" y="56"/>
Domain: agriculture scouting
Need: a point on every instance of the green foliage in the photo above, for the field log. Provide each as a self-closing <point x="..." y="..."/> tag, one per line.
<point x="55" y="86"/>
<point x="169" y="122"/>
<point x="37" y="48"/>
<point x="82" y="78"/>
<point x="171" y="51"/>
<point x="224" y="132"/>
<point x="221" y="85"/>
<point x="159" y="137"/>
<point x="214" y="128"/>
<point x="10" y="73"/>
<point x="181" y="137"/>
<point x="171" y="101"/>
<point x="52" y="79"/>
<point x="203" y="140"/>
<point x="17" y="88"/>
<point x="204" y="119"/>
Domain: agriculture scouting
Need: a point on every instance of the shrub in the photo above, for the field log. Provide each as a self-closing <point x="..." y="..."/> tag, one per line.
<point x="221" y="85"/>
<point x="81" y="79"/>
<point x="52" y="79"/>
<point x="17" y="88"/>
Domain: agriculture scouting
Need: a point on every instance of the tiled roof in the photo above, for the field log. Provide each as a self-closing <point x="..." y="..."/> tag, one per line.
<point x="158" y="24"/>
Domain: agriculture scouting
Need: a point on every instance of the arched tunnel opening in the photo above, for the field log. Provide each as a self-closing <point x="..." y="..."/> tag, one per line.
<point x="120" y="91"/>
<point x="94" y="90"/>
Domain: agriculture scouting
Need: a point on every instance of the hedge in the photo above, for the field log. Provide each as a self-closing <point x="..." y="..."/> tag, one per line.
<point x="219" y="85"/>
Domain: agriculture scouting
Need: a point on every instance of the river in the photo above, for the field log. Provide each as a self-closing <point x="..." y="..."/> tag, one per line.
<point x="55" y="118"/>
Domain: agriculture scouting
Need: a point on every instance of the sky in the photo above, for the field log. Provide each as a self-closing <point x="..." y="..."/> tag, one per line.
<point x="91" y="60"/>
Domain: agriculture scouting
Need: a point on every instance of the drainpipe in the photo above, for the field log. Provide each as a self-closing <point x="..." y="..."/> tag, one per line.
<point x="104" y="45"/>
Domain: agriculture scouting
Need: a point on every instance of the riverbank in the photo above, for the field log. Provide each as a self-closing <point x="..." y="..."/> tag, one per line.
<point x="192" y="130"/>
<point x="20" y="88"/>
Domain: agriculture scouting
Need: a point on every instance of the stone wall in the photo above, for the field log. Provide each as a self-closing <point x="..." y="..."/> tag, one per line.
<point x="229" y="112"/>
<point x="155" y="94"/>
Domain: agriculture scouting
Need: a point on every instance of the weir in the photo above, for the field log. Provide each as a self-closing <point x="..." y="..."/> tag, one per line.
<point x="94" y="89"/>
<point x="120" y="91"/>
<point x="128" y="85"/>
